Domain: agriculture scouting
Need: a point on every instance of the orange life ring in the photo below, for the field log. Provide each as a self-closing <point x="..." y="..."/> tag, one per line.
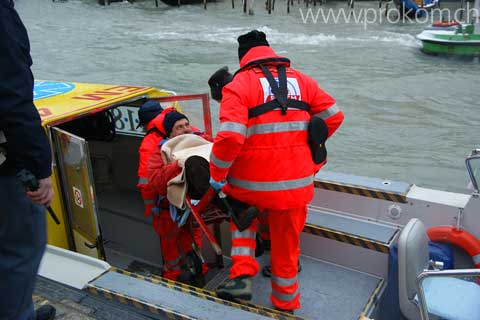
<point x="461" y="238"/>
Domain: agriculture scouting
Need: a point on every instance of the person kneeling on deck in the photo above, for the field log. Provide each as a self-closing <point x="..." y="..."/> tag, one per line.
<point x="175" y="241"/>
<point x="262" y="156"/>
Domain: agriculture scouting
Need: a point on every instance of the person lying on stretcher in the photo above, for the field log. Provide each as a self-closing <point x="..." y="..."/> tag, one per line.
<point x="180" y="168"/>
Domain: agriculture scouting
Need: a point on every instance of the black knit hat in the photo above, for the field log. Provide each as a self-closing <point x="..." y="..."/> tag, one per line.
<point x="148" y="111"/>
<point x="217" y="81"/>
<point x="249" y="40"/>
<point x="170" y="119"/>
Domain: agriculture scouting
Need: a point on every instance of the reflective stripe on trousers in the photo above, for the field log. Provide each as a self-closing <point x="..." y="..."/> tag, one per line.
<point x="172" y="264"/>
<point x="282" y="285"/>
<point x="243" y="237"/>
<point x="243" y="251"/>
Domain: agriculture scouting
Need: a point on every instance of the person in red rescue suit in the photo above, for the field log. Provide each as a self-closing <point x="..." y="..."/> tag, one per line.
<point x="175" y="242"/>
<point x="152" y="117"/>
<point x="264" y="160"/>
<point x="146" y="113"/>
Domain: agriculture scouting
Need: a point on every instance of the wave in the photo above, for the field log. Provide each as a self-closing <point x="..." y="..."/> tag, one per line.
<point x="229" y="36"/>
<point x="402" y="39"/>
<point x="226" y="36"/>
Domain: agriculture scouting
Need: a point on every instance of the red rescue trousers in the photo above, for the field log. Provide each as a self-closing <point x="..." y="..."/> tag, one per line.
<point x="285" y="228"/>
<point x="175" y="242"/>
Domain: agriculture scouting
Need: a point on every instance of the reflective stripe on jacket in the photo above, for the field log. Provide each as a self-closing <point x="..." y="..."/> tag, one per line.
<point x="266" y="160"/>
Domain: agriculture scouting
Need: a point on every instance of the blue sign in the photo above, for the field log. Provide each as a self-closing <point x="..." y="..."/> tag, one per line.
<point x="47" y="89"/>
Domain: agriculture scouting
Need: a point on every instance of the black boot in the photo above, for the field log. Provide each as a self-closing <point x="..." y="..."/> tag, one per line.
<point x="237" y="288"/>
<point x="267" y="270"/>
<point x="282" y="310"/>
<point x="46" y="312"/>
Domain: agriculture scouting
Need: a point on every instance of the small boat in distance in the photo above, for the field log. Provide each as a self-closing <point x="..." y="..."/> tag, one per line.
<point x="452" y="37"/>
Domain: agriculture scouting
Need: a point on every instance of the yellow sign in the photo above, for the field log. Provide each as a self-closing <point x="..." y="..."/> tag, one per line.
<point x="58" y="100"/>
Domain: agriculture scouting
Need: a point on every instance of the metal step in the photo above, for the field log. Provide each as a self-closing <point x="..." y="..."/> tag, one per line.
<point x="393" y="191"/>
<point x="160" y="296"/>
<point x="356" y="231"/>
<point x="328" y="291"/>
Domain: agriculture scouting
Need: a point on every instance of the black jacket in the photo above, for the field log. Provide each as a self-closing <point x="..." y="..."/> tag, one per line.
<point x="27" y="145"/>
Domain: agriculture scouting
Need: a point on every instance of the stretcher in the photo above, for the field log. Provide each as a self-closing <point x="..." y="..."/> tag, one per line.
<point x="204" y="213"/>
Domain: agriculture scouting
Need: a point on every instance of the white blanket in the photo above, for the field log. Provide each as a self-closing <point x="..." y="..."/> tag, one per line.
<point x="180" y="149"/>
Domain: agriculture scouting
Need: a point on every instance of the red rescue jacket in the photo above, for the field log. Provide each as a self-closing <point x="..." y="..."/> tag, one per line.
<point x="155" y="134"/>
<point x="266" y="160"/>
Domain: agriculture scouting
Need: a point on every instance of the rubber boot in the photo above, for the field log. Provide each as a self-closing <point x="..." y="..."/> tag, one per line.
<point x="237" y="288"/>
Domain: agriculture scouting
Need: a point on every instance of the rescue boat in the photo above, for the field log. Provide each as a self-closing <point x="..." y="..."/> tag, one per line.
<point x="365" y="251"/>
<point x="452" y="37"/>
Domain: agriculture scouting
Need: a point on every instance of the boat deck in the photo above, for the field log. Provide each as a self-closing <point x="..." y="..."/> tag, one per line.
<point x="328" y="291"/>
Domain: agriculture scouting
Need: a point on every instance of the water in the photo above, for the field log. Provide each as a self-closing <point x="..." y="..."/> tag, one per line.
<point x="409" y="117"/>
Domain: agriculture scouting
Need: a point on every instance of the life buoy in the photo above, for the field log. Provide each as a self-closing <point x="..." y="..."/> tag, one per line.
<point x="445" y="23"/>
<point x="461" y="238"/>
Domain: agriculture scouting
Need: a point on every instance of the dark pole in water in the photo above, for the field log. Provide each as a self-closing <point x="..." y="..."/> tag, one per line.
<point x="233" y="4"/>
<point x="463" y="8"/>
<point x="156" y="3"/>
<point x="288" y="6"/>
<point x="244" y="6"/>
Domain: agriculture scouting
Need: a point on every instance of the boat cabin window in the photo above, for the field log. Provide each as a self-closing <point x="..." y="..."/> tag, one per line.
<point x="112" y="142"/>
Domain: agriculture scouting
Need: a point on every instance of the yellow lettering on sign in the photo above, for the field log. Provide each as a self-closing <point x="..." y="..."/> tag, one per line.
<point x="97" y="95"/>
<point x="108" y="92"/>
<point x="126" y="88"/>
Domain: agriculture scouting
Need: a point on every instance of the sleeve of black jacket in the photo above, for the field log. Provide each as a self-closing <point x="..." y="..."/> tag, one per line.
<point x="27" y="144"/>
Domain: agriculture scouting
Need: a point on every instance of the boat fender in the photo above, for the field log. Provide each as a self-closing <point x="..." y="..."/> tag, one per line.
<point x="461" y="238"/>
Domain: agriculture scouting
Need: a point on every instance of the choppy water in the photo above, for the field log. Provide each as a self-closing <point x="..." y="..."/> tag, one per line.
<point x="409" y="116"/>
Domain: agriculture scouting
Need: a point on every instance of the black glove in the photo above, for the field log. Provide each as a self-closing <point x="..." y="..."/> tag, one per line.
<point x="217" y="81"/>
